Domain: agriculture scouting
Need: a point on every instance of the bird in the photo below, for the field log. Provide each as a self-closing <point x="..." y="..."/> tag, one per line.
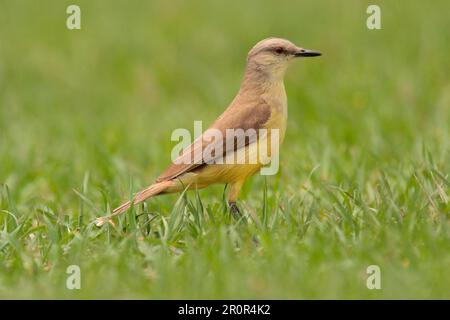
<point x="260" y="104"/>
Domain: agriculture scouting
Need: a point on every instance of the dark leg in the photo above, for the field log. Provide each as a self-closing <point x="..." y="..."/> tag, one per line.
<point x="235" y="210"/>
<point x="232" y="197"/>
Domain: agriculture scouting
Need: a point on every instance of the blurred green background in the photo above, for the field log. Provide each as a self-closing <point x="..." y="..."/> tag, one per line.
<point x="86" y="117"/>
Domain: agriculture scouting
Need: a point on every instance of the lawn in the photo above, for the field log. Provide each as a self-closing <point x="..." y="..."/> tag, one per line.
<point x="86" y="118"/>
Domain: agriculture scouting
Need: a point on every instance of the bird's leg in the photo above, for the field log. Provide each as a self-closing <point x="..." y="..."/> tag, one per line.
<point x="232" y="197"/>
<point x="235" y="210"/>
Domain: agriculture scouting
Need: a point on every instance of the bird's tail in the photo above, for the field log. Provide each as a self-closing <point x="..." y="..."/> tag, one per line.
<point x="149" y="192"/>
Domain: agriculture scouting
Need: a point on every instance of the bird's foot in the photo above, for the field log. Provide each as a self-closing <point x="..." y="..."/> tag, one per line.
<point x="235" y="210"/>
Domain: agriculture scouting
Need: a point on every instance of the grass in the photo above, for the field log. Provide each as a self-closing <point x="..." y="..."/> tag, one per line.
<point x="86" y="118"/>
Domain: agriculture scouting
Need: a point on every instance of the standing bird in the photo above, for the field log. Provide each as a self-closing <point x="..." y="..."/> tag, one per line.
<point x="261" y="103"/>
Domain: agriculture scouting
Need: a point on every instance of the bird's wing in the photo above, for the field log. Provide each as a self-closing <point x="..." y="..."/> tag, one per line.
<point x="238" y="116"/>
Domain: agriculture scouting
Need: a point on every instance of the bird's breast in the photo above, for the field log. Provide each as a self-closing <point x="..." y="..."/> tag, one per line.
<point x="277" y="100"/>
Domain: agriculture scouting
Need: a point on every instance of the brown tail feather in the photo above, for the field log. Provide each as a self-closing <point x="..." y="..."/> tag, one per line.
<point x="149" y="192"/>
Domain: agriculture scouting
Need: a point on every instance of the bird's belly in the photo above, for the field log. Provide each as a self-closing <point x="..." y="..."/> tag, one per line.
<point x="224" y="173"/>
<point x="236" y="166"/>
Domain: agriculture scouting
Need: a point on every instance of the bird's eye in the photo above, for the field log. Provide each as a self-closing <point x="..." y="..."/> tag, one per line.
<point x="279" y="50"/>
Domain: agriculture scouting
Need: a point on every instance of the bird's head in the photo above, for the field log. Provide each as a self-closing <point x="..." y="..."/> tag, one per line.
<point x="272" y="56"/>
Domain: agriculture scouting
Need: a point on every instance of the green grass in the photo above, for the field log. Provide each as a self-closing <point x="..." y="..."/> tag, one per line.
<point x="86" y="118"/>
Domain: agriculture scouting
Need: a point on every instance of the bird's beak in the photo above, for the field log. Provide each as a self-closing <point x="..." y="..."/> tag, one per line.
<point x="306" y="53"/>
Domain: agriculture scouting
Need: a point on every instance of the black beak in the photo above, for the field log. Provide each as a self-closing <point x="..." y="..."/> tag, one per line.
<point x="307" y="53"/>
